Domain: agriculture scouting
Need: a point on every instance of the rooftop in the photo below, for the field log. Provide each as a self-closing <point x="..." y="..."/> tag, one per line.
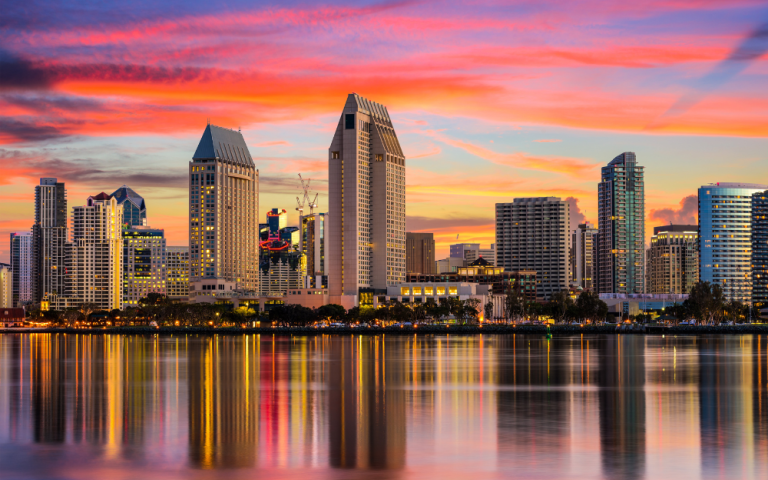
<point x="225" y="144"/>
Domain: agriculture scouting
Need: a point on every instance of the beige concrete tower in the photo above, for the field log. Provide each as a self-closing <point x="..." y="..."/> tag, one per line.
<point x="223" y="212"/>
<point x="366" y="190"/>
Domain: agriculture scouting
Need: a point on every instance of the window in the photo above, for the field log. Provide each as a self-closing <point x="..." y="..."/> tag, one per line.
<point x="335" y="155"/>
<point x="453" y="291"/>
<point x="428" y="291"/>
<point x="417" y="290"/>
<point x="349" y="121"/>
<point x="379" y="157"/>
<point x="441" y="290"/>
<point x="405" y="291"/>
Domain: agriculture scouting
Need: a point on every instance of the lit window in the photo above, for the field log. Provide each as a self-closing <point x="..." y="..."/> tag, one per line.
<point x="453" y="291"/>
<point x="441" y="290"/>
<point x="405" y="291"/>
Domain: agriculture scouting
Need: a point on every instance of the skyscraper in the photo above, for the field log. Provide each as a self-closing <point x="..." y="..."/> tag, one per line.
<point x="532" y="234"/>
<point x="94" y="258"/>
<point x="673" y="259"/>
<point x="223" y="211"/>
<point x="583" y="250"/>
<point x="134" y="207"/>
<point x="21" y="264"/>
<point x="621" y="226"/>
<point x="366" y="177"/>
<point x="49" y="237"/>
<point x="6" y="286"/>
<point x="144" y="263"/>
<point x="759" y="239"/>
<point x="470" y="252"/>
<point x="725" y="238"/>
<point x="177" y="273"/>
<point x="281" y="265"/>
<point x="420" y="253"/>
<point x="313" y="246"/>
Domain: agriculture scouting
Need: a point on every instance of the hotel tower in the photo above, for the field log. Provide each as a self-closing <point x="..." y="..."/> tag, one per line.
<point x="366" y="177"/>
<point x="223" y="213"/>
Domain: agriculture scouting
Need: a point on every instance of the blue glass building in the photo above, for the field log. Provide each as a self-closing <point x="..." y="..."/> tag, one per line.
<point x="134" y="208"/>
<point x="725" y="237"/>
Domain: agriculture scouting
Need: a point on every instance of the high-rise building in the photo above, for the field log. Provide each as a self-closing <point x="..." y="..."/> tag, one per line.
<point x="470" y="252"/>
<point x="583" y="251"/>
<point x="21" y="264"/>
<point x="759" y="239"/>
<point x="419" y="253"/>
<point x="49" y="238"/>
<point x="282" y="266"/>
<point x="144" y="263"/>
<point x="6" y="286"/>
<point x="223" y="211"/>
<point x="621" y="227"/>
<point x="95" y="256"/>
<point x="313" y="246"/>
<point x="673" y="259"/>
<point x="177" y="273"/>
<point x="532" y="234"/>
<point x="134" y="207"/>
<point x="725" y="238"/>
<point x="366" y="177"/>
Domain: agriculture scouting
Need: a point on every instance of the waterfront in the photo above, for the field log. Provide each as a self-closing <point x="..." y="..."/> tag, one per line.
<point x="447" y="406"/>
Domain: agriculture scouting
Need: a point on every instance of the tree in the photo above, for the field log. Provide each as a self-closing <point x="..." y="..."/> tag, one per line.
<point x="292" y="314"/>
<point x="87" y="309"/>
<point x="559" y="303"/>
<point x="514" y="303"/>
<point x="706" y="302"/>
<point x="332" y="312"/>
<point x="470" y="310"/>
<point x="367" y="314"/>
<point x="488" y="311"/>
<point x="70" y="316"/>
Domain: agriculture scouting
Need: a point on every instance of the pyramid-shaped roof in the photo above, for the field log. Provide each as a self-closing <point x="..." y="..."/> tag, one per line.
<point x="101" y="196"/>
<point x="223" y="143"/>
<point x="480" y="262"/>
<point x="126" y="193"/>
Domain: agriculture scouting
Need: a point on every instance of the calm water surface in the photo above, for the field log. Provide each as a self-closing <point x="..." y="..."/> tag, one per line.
<point x="624" y="407"/>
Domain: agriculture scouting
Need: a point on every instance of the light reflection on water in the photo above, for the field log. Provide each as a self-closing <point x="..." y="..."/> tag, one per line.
<point x="624" y="407"/>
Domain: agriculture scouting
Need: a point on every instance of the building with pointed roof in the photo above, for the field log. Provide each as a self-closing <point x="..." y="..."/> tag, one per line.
<point x="223" y="213"/>
<point x="366" y="177"/>
<point x="134" y="207"/>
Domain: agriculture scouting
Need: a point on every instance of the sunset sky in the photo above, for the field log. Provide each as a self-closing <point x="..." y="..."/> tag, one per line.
<point x="490" y="100"/>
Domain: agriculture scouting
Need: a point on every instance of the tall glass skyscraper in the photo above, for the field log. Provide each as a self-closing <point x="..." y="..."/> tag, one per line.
<point x="725" y="238"/>
<point x="49" y="237"/>
<point x="760" y="249"/>
<point x="621" y="226"/>
<point x="134" y="208"/>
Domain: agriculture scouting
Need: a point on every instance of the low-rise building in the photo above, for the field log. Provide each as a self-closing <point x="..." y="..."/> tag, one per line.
<point x="482" y="272"/>
<point x="11" y="317"/>
<point x="415" y="293"/>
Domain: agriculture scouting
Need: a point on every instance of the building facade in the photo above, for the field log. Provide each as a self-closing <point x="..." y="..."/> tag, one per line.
<point x="621" y="226"/>
<point x="177" y="273"/>
<point x="583" y="253"/>
<point x="470" y="252"/>
<point x="134" y="207"/>
<point x="282" y="266"/>
<point x="483" y="273"/>
<point x="419" y="253"/>
<point x="223" y="211"/>
<point x="673" y="259"/>
<point x="6" y="286"/>
<point x="366" y="177"/>
<point x="21" y="264"/>
<point x="759" y="239"/>
<point x="449" y="264"/>
<point x="95" y="256"/>
<point x="532" y="234"/>
<point x="312" y="243"/>
<point x="144" y="263"/>
<point x="725" y="237"/>
<point x="49" y="239"/>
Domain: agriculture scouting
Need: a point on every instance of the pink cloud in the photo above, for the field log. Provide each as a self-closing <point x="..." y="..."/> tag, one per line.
<point x="686" y="214"/>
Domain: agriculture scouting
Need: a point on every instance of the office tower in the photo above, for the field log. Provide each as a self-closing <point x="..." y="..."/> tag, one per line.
<point x="725" y="239"/>
<point x="144" y="263"/>
<point x="282" y="266"/>
<point x="673" y="259"/>
<point x="532" y="234"/>
<point x="621" y="227"/>
<point x="6" y="286"/>
<point x="449" y="265"/>
<point x="583" y="250"/>
<point x="49" y="237"/>
<point x="94" y="258"/>
<point x="419" y="253"/>
<point x="21" y="264"/>
<point x="177" y="273"/>
<point x="366" y="177"/>
<point x="312" y="245"/>
<point x="759" y="240"/>
<point x="134" y="207"/>
<point x="460" y="250"/>
<point x="223" y="211"/>
<point x="472" y="251"/>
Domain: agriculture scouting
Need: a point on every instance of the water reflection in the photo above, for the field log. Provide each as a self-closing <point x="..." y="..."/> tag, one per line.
<point x="626" y="407"/>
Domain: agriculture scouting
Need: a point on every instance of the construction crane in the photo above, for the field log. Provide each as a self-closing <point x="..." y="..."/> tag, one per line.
<point x="305" y="201"/>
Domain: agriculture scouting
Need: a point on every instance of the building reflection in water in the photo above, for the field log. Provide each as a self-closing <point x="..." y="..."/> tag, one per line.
<point x="366" y="403"/>
<point x="222" y="376"/>
<point x="621" y="382"/>
<point x="48" y="382"/>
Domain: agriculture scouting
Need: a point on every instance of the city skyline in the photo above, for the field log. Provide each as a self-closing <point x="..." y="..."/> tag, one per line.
<point x="495" y="118"/>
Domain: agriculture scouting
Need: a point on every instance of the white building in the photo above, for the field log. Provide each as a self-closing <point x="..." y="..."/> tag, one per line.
<point x="532" y="234"/>
<point x="143" y="264"/>
<point x="177" y="273"/>
<point x="223" y="211"/>
<point x="449" y="265"/>
<point x="418" y="293"/>
<point x="94" y="258"/>
<point x="366" y="177"/>
<point x="21" y="264"/>
<point x="583" y="252"/>
<point x="6" y="286"/>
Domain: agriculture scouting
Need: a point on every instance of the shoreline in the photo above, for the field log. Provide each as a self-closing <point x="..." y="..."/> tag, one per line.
<point x="420" y="330"/>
